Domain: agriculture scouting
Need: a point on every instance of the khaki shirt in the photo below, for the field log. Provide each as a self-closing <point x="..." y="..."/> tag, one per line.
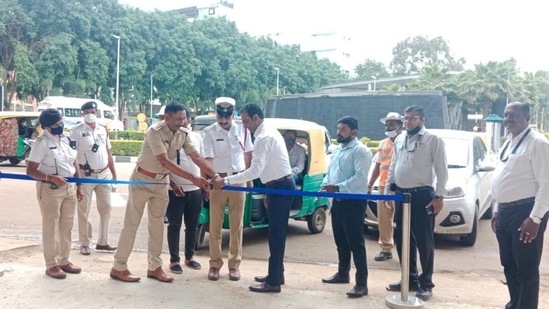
<point x="160" y="139"/>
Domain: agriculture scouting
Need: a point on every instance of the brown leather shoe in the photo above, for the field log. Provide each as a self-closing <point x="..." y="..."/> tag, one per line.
<point x="213" y="274"/>
<point x="70" y="268"/>
<point x="234" y="274"/>
<point x="124" y="275"/>
<point x="159" y="275"/>
<point x="56" y="272"/>
<point x="105" y="248"/>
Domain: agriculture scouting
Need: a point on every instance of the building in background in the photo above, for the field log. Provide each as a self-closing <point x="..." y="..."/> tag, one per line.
<point x="331" y="45"/>
<point x="204" y="9"/>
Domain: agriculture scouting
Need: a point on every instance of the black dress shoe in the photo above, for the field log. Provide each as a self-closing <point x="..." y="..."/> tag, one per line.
<point x="396" y="287"/>
<point x="264" y="287"/>
<point x="424" y="293"/>
<point x="358" y="291"/>
<point x="337" y="278"/>
<point x="264" y="279"/>
<point x="383" y="256"/>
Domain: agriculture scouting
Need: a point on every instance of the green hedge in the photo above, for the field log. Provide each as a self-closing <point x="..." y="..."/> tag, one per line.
<point x="127" y="135"/>
<point x="126" y="148"/>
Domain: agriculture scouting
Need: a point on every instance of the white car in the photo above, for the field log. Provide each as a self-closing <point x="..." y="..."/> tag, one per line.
<point x="468" y="196"/>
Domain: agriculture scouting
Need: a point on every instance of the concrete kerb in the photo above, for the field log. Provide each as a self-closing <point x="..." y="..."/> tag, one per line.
<point x="125" y="159"/>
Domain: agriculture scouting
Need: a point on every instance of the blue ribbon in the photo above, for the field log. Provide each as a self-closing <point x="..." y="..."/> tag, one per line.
<point x="337" y="195"/>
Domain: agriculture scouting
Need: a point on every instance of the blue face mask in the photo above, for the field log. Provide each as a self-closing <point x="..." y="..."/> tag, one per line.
<point x="57" y="130"/>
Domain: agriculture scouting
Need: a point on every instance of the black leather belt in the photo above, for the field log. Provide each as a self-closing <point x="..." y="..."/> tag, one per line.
<point x="284" y="178"/>
<point x="415" y="189"/>
<point x="524" y="201"/>
<point x="94" y="171"/>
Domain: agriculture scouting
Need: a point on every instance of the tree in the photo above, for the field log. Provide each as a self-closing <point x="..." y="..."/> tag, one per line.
<point x="370" y="68"/>
<point x="412" y="54"/>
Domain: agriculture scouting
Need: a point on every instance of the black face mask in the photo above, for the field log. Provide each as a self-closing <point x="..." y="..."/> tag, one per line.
<point x="290" y="141"/>
<point x="344" y="140"/>
<point x="414" y="131"/>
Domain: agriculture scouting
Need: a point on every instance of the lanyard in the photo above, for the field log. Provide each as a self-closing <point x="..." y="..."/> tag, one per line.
<point x="514" y="148"/>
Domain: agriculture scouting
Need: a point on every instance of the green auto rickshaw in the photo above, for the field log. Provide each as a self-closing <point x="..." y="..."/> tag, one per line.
<point x="316" y="141"/>
<point x="17" y="131"/>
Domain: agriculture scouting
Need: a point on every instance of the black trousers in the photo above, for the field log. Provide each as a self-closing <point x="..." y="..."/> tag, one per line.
<point x="422" y="225"/>
<point x="278" y="212"/>
<point x="520" y="261"/>
<point x="348" y="229"/>
<point x="187" y="207"/>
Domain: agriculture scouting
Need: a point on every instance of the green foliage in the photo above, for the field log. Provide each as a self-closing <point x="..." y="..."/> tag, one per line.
<point x="370" y="69"/>
<point x="374" y="144"/>
<point x="127" y="135"/>
<point x="67" y="48"/>
<point x="364" y="140"/>
<point x="126" y="148"/>
<point x="373" y="150"/>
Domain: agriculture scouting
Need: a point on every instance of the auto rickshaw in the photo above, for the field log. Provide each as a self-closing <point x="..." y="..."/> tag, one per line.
<point x="17" y="131"/>
<point x="316" y="141"/>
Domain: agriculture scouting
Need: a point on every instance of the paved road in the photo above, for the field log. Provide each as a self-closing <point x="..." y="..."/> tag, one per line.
<point x="21" y="219"/>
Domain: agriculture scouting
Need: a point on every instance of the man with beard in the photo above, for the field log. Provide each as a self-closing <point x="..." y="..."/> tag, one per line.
<point x="348" y="172"/>
<point x="271" y="164"/>
<point x="393" y="127"/>
<point x="520" y="186"/>
<point x="418" y="158"/>
<point x="296" y="154"/>
<point x="228" y="147"/>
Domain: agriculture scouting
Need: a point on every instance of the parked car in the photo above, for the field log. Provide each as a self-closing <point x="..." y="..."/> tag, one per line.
<point x="468" y="196"/>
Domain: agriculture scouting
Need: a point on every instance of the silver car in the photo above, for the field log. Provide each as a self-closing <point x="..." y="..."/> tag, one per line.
<point x="468" y="196"/>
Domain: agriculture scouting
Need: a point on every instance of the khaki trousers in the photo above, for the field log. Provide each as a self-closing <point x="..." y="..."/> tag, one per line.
<point x="385" y="222"/>
<point x="218" y="200"/>
<point x="156" y="196"/>
<point x="57" y="207"/>
<point x="103" y="201"/>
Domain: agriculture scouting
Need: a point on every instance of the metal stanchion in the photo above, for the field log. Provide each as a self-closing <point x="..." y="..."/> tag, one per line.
<point x="404" y="300"/>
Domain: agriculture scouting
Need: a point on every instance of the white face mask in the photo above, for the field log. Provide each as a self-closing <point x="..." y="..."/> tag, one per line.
<point x="391" y="134"/>
<point x="90" y="118"/>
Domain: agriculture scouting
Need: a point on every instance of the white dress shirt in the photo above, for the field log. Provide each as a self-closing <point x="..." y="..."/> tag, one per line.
<point x="526" y="172"/>
<point x="186" y="163"/>
<point x="54" y="155"/>
<point x="417" y="160"/>
<point x="85" y="138"/>
<point x="270" y="160"/>
<point x="227" y="148"/>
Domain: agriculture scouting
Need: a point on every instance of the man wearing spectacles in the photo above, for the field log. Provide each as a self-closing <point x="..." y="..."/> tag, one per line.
<point x="419" y="158"/>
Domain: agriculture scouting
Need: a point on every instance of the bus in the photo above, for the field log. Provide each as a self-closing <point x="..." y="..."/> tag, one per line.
<point x="71" y="110"/>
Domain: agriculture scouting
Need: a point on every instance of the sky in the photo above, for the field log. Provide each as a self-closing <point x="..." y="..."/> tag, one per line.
<point x="477" y="30"/>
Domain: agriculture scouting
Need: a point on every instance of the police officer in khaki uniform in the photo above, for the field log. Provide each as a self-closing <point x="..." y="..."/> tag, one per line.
<point x="155" y="162"/>
<point x="94" y="158"/>
<point x="51" y="160"/>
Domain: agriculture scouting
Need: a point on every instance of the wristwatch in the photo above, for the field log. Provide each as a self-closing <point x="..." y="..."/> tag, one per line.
<point x="535" y="219"/>
<point x="439" y="197"/>
<point x="337" y="188"/>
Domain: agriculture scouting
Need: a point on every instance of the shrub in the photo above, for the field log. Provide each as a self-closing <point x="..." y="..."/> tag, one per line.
<point x="126" y="148"/>
<point x="127" y="135"/>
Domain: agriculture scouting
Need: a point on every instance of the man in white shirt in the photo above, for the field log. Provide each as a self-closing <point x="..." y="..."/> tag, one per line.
<point x="296" y="154"/>
<point x="94" y="160"/>
<point x="520" y="186"/>
<point x="184" y="206"/>
<point x="228" y="146"/>
<point x="271" y="164"/>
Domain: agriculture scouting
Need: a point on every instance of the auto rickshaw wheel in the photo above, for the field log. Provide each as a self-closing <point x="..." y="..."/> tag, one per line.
<point x="201" y="234"/>
<point x="14" y="161"/>
<point x="317" y="220"/>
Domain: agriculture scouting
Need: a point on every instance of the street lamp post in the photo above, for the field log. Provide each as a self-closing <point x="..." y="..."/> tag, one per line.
<point x="277" y="79"/>
<point x="117" y="74"/>
<point x="375" y="80"/>
<point x="151" y="101"/>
